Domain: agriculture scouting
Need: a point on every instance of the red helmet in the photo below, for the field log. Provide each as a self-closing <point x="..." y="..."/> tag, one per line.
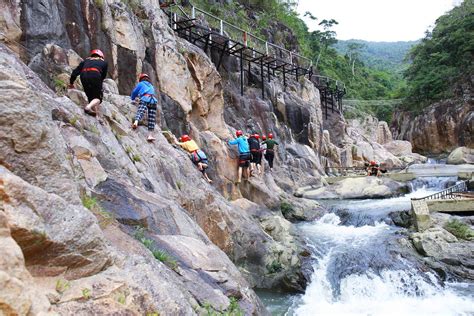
<point x="270" y="136"/>
<point x="185" y="138"/>
<point x="97" y="52"/>
<point x="143" y="76"/>
<point x="264" y="137"/>
<point x="256" y="136"/>
<point x="239" y="133"/>
<point x="372" y="162"/>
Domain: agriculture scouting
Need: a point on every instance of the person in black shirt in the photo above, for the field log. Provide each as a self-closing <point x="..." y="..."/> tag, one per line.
<point x="254" y="145"/>
<point x="92" y="71"/>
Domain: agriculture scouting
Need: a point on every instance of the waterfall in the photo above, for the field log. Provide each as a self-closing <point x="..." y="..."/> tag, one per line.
<point x="356" y="274"/>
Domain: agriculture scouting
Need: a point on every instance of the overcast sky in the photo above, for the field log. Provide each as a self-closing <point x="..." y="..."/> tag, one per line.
<point x="377" y="20"/>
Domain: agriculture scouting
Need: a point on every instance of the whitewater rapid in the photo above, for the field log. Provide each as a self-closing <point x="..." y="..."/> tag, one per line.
<point x="356" y="273"/>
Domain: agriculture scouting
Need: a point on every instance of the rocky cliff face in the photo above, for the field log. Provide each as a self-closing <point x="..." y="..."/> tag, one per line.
<point x="155" y="237"/>
<point x="441" y="127"/>
<point x="97" y="219"/>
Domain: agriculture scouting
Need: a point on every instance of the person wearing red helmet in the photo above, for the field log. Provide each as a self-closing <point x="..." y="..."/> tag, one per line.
<point x="198" y="157"/>
<point x="270" y="151"/>
<point x="92" y="72"/>
<point x="254" y="145"/>
<point x="244" y="153"/>
<point x="373" y="169"/>
<point x="145" y="92"/>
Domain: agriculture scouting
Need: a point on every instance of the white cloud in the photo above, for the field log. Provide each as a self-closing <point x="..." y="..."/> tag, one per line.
<point x="377" y="20"/>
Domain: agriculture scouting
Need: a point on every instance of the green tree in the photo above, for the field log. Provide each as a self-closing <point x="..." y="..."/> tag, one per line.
<point x="443" y="59"/>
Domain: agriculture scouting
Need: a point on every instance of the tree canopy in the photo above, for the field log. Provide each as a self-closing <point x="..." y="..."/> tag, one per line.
<point x="443" y="59"/>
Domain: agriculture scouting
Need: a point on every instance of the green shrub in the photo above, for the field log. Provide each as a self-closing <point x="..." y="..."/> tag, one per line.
<point x="286" y="208"/>
<point x="233" y="309"/>
<point x="274" y="267"/>
<point x="459" y="229"/>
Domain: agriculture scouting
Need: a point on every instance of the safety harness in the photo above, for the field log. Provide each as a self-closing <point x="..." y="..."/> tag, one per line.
<point x="90" y="69"/>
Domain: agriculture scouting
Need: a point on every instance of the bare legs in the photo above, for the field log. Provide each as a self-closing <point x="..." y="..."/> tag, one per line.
<point x="93" y="105"/>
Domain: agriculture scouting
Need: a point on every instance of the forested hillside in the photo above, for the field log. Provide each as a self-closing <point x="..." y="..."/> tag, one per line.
<point x="443" y="60"/>
<point x="389" y="56"/>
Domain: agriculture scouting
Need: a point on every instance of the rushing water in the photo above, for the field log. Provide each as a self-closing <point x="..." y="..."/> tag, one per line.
<point x="359" y="268"/>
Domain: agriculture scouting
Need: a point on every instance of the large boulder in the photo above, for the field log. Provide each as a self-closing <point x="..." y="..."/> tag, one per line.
<point x="358" y="188"/>
<point x="50" y="231"/>
<point x="461" y="155"/>
<point x="445" y="253"/>
<point x="398" y="147"/>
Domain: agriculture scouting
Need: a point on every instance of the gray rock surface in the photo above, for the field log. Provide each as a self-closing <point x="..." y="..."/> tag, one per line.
<point x="461" y="155"/>
<point x="357" y="188"/>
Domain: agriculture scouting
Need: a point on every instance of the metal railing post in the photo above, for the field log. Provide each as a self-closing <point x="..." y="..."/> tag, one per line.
<point x="222" y="27"/>
<point x="193" y="12"/>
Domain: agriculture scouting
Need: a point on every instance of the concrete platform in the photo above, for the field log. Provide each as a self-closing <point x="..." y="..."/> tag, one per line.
<point x="451" y="206"/>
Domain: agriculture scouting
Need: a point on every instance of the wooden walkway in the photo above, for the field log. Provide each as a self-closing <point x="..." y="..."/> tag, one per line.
<point x="208" y="31"/>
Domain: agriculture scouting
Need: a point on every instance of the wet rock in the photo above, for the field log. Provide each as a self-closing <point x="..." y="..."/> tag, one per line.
<point x="402" y="219"/>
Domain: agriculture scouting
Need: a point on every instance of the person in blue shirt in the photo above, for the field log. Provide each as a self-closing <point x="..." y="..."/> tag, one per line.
<point x="145" y="91"/>
<point x="244" y="153"/>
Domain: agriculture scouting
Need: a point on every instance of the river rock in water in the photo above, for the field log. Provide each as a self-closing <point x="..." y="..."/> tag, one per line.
<point x="358" y="188"/>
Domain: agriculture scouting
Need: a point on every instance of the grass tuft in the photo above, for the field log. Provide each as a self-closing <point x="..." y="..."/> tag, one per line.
<point x="159" y="254"/>
<point x="105" y="218"/>
<point x="459" y="229"/>
<point x="62" y="286"/>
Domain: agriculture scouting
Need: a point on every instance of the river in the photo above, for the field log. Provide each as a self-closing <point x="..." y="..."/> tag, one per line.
<point x="360" y="267"/>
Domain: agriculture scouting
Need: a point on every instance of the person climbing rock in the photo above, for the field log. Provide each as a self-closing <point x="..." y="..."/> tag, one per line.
<point x="145" y="91"/>
<point x="92" y="71"/>
<point x="263" y="151"/>
<point x="244" y="153"/>
<point x="270" y="151"/>
<point x="198" y="157"/>
<point x="254" y="145"/>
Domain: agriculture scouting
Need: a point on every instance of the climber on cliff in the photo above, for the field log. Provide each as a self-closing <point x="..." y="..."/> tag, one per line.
<point x="92" y="71"/>
<point x="198" y="157"/>
<point x="270" y="151"/>
<point x="263" y="151"/>
<point x="244" y="153"/>
<point x="254" y="145"/>
<point x="145" y="91"/>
